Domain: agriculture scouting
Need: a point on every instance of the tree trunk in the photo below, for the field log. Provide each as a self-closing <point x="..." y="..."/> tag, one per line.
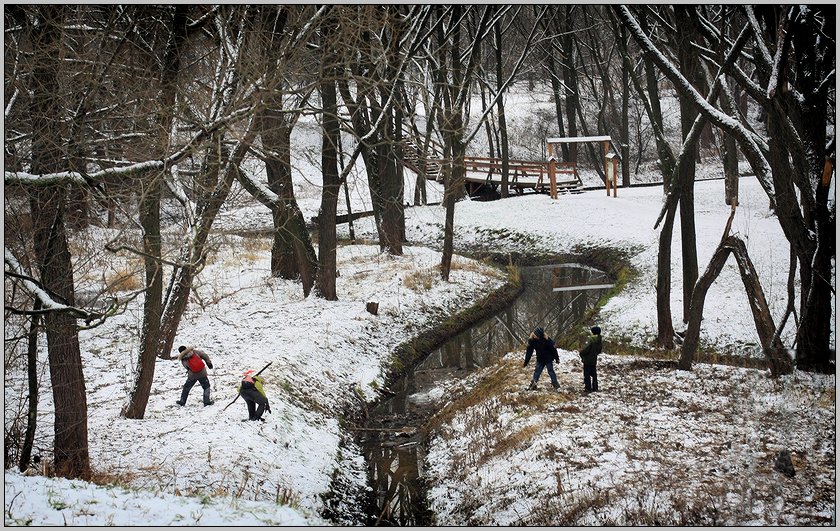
<point x="489" y="124"/>
<point x="570" y="78"/>
<point x="390" y="183"/>
<point x="625" y="117"/>
<point x="277" y="138"/>
<point x="194" y="255"/>
<point x="816" y="63"/>
<point x="453" y="190"/>
<point x="665" y="324"/>
<point x="729" y="148"/>
<point x="32" y="381"/>
<point x="504" y="153"/>
<point x="452" y="128"/>
<point x="363" y="116"/>
<point x="652" y="85"/>
<point x="777" y="357"/>
<point x="144" y="373"/>
<point x="558" y="97"/>
<point x="71" y="458"/>
<point x="399" y="168"/>
<point x="686" y="17"/>
<point x="327" y="242"/>
<point x="292" y="253"/>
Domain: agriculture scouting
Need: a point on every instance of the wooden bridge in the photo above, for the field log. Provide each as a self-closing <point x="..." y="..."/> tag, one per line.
<point x="485" y="173"/>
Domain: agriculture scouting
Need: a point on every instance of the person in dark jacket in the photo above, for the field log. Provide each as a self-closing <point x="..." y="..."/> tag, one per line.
<point x="589" y="356"/>
<point x="251" y="390"/>
<point x="546" y="356"/>
<point x="192" y="358"/>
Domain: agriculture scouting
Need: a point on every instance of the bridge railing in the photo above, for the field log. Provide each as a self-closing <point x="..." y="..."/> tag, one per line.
<point x="525" y="169"/>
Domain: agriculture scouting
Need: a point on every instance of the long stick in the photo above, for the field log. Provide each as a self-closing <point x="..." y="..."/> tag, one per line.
<point x="237" y="394"/>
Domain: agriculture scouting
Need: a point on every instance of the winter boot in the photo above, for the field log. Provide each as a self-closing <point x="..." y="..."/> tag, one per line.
<point x="533" y="386"/>
<point x="184" y="394"/>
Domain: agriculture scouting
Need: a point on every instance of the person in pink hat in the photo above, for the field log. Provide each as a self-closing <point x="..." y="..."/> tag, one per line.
<point x="251" y="390"/>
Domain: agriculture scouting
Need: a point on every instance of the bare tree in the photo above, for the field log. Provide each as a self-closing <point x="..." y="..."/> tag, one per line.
<point x="138" y="396"/>
<point x="454" y="65"/>
<point x="44" y="28"/>
<point x="797" y="160"/>
<point x="277" y="49"/>
<point x="233" y="94"/>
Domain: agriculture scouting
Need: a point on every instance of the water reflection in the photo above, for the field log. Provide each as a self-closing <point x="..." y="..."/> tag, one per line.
<point x="392" y="446"/>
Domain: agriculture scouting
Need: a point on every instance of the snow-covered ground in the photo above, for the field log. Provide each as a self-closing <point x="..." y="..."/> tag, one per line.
<point x="323" y="355"/>
<point x="655" y="446"/>
<point x="652" y="436"/>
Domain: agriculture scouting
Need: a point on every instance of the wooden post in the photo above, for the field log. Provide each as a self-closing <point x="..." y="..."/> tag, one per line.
<point x="606" y="168"/>
<point x="552" y="174"/>
<point x="615" y="176"/>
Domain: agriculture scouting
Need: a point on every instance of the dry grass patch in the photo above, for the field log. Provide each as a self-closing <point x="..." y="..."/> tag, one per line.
<point x="105" y="479"/>
<point x="125" y="279"/>
<point x="421" y="279"/>
<point x="493" y="384"/>
<point x="473" y="266"/>
<point x="828" y="398"/>
<point x="514" y="442"/>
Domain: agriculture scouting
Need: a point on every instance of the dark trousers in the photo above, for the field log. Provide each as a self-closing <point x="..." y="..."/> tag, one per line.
<point x="551" y="374"/>
<point x="255" y="401"/>
<point x="205" y="384"/>
<point x="590" y="377"/>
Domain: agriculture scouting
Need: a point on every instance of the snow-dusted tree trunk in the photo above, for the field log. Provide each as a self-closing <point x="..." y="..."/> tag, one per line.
<point x="32" y="384"/>
<point x="778" y="359"/>
<point x="292" y="253"/>
<point x="193" y="255"/>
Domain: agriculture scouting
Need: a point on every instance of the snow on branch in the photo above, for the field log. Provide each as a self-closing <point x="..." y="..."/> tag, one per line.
<point x="71" y="177"/>
<point x="48" y="302"/>
<point x="8" y="109"/>
<point x="764" y="53"/>
<point x="751" y="147"/>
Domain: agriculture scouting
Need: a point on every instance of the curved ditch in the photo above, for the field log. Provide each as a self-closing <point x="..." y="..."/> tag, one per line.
<point x="555" y="297"/>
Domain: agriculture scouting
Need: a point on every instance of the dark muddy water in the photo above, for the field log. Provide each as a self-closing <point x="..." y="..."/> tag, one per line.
<point x="555" y="297"/>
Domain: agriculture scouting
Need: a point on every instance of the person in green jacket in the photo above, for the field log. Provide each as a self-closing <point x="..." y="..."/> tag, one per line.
<point x="251" y="390"/>
<point x="589" y="356"/>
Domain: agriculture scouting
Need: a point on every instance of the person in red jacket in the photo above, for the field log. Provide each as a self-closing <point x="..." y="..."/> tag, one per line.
<point x="546" y="356"/>
<point x="196" y="362"/>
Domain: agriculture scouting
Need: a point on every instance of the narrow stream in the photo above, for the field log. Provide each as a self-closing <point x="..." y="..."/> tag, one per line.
<point x="554" y="297"/>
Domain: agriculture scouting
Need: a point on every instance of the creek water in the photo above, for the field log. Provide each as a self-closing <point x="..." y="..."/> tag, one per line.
<point x="554" y="297"/>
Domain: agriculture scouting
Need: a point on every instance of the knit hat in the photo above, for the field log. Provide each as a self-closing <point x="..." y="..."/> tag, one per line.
<point x="596" y="330"/>
<point x="539" y="332"/>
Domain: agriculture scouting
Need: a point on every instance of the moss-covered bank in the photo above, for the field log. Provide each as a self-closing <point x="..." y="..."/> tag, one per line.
<point x="413" y="350"/>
